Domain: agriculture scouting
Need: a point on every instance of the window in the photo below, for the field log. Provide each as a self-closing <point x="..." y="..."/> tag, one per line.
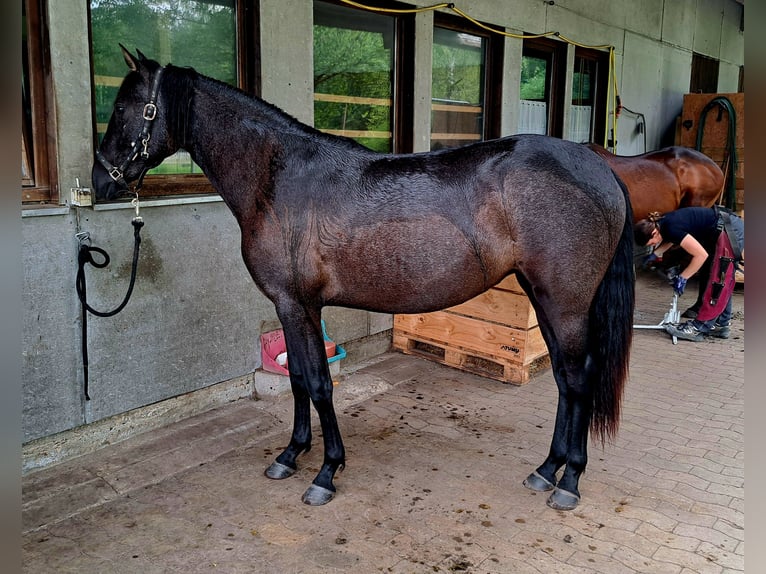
<point x="589" y="87"/>
<point x="363" y="75"/>
<point x="354" y="74"/>
<point x="543" y="68"/>
<point x="741" y="83"/>
<point x="457" y="88"/>
<point x="466" y="66"/>
<point x="704" y="79"/>
<point x="215" y="37"/>
<point x="38" y="121"/>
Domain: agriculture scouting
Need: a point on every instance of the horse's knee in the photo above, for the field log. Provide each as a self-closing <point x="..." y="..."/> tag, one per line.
<point x="320" y="390"/>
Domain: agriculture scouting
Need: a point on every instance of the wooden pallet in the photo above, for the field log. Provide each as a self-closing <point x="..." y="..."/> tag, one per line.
<point x="471" y="361"/>
<point x="494" y="334"/>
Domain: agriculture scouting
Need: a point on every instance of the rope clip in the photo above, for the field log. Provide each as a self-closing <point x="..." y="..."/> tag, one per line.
<point x="83" y="237"/>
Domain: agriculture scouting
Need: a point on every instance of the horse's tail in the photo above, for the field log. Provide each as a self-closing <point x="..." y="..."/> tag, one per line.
<point x="611" y="330"/>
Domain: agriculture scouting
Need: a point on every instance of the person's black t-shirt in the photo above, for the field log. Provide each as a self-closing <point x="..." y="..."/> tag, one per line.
<point x="699" y="222"/>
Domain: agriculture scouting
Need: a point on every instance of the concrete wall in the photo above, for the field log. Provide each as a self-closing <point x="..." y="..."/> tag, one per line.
<point x="195" y="317"/>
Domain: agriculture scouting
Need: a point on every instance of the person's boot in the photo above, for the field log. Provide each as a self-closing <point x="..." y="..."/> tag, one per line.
<point x="686" y="331"/>
<point x="719" y="331"/>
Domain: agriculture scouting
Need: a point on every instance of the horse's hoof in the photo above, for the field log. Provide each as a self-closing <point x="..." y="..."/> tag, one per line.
<point x="563" y="500"/>
<point x="538" y="483"/>
<point x="278" y="471"/>
<point x="317" y="495"/>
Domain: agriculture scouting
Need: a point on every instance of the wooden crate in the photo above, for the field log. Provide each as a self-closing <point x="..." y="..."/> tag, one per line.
<point x="495" y="335"/>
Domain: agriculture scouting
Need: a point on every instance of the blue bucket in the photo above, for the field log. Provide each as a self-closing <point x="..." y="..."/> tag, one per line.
<point x="340" y="352"/>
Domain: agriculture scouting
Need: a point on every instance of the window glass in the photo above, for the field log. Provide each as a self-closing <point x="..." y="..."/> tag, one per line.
<point x="535" y="74"/>
<point x="583" y="88"/>
<point x="201" y="34"/>
<point x="457" y="88"/>
<point x="354" y="74"/>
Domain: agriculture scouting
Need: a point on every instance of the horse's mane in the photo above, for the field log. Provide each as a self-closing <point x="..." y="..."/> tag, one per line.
<point x="179" y="91"/>
<point x="180" y="83"/>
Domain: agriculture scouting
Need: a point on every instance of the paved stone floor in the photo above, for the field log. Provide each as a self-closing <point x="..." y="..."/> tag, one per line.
<point x="436" y="458"/>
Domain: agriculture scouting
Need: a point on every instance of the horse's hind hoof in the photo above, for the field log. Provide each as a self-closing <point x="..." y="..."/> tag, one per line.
<point x="538" y="483"/>
<point x="563" y="500"/>
<point x="317" y="495"/>
<point x="278" y="471"/>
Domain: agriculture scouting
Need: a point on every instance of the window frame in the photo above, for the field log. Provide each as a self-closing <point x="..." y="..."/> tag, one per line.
<point x="403" y="83"/>
<point x="38" y="136"/>
<point x="248" y="66"/>
<point x="600" y="88"/>
<point x="554" y="52"/>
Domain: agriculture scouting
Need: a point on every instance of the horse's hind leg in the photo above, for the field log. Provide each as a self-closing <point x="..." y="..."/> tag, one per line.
<point x="578" y="399"/>
<point x="310" y="380"/>
<point x="572" y="372"/>
<point x="544" y="477"/>
<point x="570" y="437"/>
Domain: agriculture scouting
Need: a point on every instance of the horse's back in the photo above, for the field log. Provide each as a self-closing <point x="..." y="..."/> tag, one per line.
<point x="664" y="180"/>
<point x="541" y="184"/>
<point x="567" y="168"/>
<point x="558" y="195"/>
<point x="451" y="224"/>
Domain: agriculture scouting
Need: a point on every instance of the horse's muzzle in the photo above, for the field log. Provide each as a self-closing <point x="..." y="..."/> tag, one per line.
<point x="104" y="186"/>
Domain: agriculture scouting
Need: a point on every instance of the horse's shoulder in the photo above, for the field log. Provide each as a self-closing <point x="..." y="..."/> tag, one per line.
<point x="683" y="158"/>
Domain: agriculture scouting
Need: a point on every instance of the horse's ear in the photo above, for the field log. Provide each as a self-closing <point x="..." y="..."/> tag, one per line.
<point x="129" y="59"/>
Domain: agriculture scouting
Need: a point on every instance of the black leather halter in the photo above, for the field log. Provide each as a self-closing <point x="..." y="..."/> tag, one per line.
<point x="149" y="113"/>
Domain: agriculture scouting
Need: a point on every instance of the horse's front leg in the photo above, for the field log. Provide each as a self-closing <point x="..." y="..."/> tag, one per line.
<point x="285" y="464"/>
<point x="310" y="380"/>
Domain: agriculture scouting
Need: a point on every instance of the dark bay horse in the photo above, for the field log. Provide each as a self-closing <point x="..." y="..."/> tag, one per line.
<point x="666" y="179"/>
<point x="325" y="221"/>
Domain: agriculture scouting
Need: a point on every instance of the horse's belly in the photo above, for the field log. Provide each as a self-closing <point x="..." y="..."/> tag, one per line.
<point x="406" y="267"/>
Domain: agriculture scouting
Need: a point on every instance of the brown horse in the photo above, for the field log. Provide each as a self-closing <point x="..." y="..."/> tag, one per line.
<point x="666" y="179"/>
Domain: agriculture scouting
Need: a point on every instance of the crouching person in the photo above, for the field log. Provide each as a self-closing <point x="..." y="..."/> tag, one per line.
<point x="714" y="237"/>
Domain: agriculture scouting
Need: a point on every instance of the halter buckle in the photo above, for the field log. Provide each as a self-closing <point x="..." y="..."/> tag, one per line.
<point x="150" y="111"/>
<point x="115" y="173"/>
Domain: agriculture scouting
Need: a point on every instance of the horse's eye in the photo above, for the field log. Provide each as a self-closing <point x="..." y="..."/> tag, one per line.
<point x="119" y="108"/>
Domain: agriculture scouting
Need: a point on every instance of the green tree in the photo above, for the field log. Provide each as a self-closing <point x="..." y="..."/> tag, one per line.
<point x="457" y="74"/>
<point x="353" y="63"/>
<point x="533" y="72"/>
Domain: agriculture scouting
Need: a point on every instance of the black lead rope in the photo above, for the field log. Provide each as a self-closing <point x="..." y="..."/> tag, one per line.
<point x="85" y="256"/>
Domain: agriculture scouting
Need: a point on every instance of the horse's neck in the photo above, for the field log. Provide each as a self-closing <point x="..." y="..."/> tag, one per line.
<point x="234" y="139"/>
